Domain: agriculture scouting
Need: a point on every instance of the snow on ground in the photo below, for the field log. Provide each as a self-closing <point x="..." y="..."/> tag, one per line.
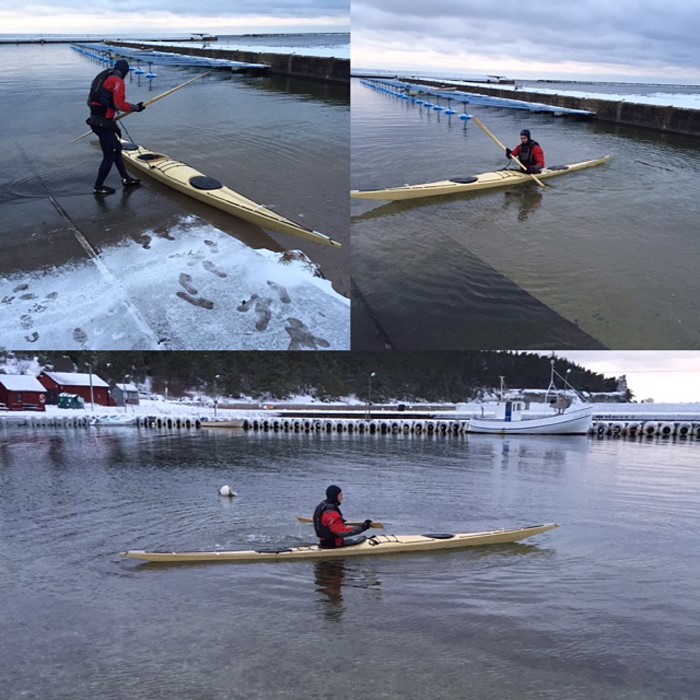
<point x="193" y="287"/>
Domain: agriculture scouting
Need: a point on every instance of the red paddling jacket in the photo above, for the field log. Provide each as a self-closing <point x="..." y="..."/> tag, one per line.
<point x="531" y="155"/>
<point x="330" y="526"/>
<point x="108" y="94"/>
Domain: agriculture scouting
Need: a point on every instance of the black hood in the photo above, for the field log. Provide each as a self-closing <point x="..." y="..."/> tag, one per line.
<point x="332" y="493"/>
<point x="122" y="66"/>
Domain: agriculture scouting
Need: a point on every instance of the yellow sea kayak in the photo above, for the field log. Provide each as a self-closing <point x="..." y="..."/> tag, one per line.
<point x="485" y="181"/>
<point x="187" y="180"/>
<point x="377" y="544"/>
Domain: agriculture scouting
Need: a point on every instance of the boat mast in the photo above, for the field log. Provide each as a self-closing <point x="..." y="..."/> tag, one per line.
<point x="552" y="388"/>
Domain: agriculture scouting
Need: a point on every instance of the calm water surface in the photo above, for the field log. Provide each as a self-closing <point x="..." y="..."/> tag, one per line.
<point x="611" y="251"/>
<point x="606" y="606"/>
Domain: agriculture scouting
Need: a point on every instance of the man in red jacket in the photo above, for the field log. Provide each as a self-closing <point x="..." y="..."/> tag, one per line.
<point x="528" y="152"/>
<point x="107" y="96"/>
<point x="329" y="523"/>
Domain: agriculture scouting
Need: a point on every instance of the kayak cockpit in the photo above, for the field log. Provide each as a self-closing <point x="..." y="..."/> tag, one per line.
<point x="203" y="182"/>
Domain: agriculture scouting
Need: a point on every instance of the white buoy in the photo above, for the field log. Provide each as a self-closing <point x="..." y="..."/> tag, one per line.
<point x="227" y="491"/>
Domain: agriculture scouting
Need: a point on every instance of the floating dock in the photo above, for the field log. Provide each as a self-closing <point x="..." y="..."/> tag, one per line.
<point x="108" y="55"/>
<point x="319" y="68"/>
<point x="419" y="93"/>
<point x="667" y="119"/>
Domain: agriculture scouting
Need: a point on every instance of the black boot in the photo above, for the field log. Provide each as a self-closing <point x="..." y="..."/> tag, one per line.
<point x="103" y="190"/>
<point x="130" y="181"/>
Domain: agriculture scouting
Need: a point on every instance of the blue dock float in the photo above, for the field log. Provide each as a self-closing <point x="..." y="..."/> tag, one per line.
<point x="420" y="94"/>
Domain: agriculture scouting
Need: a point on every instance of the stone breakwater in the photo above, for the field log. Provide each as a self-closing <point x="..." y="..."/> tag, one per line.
<point x="320" y="68"/>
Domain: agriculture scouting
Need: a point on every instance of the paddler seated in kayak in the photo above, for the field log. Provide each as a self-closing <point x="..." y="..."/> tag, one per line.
<point x="329" y="523"/>
<point x="107" y="95"/>
<point x="528" y="152"/>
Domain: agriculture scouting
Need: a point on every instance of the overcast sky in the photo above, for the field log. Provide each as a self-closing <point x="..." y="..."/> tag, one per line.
<point x="665" y="376"/>
<point x="184" y="16"/>
<point x="628" y="40"/>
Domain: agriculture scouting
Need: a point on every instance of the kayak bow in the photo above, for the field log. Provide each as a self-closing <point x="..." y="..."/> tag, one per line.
<point x="187" y="180"/>
<point x="377" y="544"/>
<point x="500" y="178"/>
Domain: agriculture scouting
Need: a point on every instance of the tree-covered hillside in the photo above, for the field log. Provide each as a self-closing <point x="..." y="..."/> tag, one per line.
<point x="406" y="376"/>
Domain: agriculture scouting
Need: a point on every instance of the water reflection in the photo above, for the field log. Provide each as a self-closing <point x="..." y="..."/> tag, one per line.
<point x="527" y="199"/>
<point x="332" y="576"/>
<point x="329" y="576"/>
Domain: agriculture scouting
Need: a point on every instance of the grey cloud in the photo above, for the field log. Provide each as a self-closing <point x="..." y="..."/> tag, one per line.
<point x="206" y="8"/>
<point x="627" y="32"/>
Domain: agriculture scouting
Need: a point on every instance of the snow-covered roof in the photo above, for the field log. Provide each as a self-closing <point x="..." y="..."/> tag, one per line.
<point x="127" y="387"/>
<point x="75" y="379"/>
<point x="21" y="382"/>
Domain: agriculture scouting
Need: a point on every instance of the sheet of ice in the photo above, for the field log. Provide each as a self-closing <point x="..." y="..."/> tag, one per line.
<point x="191" y="288"/>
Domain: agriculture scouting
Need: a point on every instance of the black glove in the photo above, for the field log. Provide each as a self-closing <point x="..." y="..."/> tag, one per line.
<point x="366" y="525"/>
<point x="139" y="107"/>
<point x="509" y="153"/>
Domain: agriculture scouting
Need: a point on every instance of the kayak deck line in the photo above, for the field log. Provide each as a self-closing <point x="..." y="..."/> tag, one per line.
<point x="474" y="183"/>
<point x="187" y="180"/>
<point x="374" y="545"/>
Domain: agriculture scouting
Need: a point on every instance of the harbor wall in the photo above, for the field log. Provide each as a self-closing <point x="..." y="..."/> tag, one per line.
<point x="674" y="120"/>
<point x="320" y="68"/>
<point x="633" y="425"/>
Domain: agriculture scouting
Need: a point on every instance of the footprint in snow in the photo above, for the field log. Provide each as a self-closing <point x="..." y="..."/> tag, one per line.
<point x="281" y="291"/>
<point x="196" y="301"/>
<point x="186" y="282"/>
<point x="80" y="336"/>
<point x="210" y="267"/>
<point x="301" y="337"/>
<point x="263" y="315"/>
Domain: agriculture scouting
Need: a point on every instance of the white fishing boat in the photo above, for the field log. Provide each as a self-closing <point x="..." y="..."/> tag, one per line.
<point x="510" y="418"/>
<point x="562" y="414"/>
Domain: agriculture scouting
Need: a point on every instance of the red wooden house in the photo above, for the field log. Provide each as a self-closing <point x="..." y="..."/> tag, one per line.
<point x="90" y="387"/>
<point x="21" y="392"/>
